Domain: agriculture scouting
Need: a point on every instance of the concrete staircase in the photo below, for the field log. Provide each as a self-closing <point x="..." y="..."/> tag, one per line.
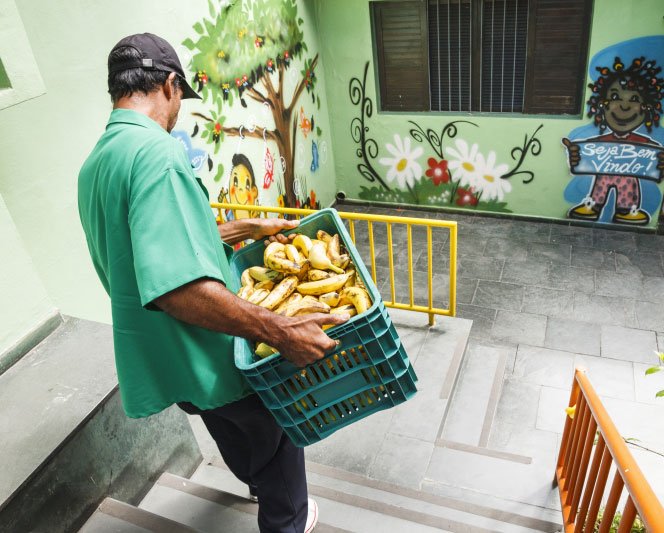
<point x="378" y="475"/>
<point x="213" y="500"/>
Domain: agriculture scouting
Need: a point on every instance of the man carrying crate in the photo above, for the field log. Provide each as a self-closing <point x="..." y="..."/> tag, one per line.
<point x="158" y="253"/>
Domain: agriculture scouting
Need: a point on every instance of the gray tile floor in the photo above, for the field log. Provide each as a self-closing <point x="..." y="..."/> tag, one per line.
<point x="555" y="297"/>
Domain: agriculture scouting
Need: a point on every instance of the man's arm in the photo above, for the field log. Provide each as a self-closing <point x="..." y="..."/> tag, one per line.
<point x="208" y="304"/>
<point x="253" y="228"/>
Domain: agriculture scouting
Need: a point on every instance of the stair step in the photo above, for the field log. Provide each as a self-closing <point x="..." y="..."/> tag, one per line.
<point x="476" y="397"/>
<point x="205" y="507"/>
<point x="333" y="488"/>
<point x="113" y="516"/>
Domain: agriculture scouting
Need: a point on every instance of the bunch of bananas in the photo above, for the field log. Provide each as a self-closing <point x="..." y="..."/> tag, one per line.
<point x="305" y="276"/>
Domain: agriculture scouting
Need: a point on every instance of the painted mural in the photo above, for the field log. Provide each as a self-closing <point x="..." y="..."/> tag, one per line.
<point x="457" y="174"/>
<point x="618" y="160"/>
<point x="250" y="62"/>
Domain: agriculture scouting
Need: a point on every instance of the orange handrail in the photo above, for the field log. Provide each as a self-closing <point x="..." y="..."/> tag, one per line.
<point x="582" y="489"/>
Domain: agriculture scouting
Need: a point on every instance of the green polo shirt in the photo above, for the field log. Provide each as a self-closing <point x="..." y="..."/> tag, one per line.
<point x="150" y="229"/>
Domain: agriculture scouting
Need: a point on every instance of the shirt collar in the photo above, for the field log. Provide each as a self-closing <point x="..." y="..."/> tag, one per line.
<point x="128" y="116"/>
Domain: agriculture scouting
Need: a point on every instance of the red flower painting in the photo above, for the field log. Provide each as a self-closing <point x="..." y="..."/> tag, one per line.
<point x="466" y="197"/>
<point x="437" y="171"/>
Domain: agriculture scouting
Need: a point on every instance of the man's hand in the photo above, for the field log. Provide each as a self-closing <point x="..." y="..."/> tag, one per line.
<point x="270" y="227"/>
<point x="302" y="341"/>
<point x="573" y="151"/>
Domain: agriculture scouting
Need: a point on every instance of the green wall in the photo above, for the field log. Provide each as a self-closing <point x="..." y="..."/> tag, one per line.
<point x="25" y="303"/>
<point x="345" y="33"/>
<point x="45" y="140"/>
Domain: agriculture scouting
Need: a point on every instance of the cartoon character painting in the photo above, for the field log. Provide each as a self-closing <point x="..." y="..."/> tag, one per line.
<point x="242" y="188"/>
<point x="616" y="170"/>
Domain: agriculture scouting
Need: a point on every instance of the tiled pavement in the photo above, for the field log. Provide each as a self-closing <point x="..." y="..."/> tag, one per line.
<point x="551" y="296"/>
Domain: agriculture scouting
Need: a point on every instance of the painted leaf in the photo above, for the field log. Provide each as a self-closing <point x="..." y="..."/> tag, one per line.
<point x="213" y="12"/>
<point x="210" y="164"/>
<point x="220" y="172"/>
<point x="660" y="394"/>
<point x="188" y="43"/>
<point x="319" y="132"/>
<point x="198" y="28"/>
<point x="195" y="132"/>
<point x="654" y="369"/>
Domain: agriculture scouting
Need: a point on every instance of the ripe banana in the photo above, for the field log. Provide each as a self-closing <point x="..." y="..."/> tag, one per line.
<point x="260" y="273"/>
<point x="324" y="236"/>
<point x="245" y="291"/>
<point x="264" y="350"/>
<point x="323" y="286"/>
<point x="306" y="307"/>
<point x="272" y="248"/>
<point x="258" y="296"/>
<point x="344" y="259"/>
<point x="316" y="274"/>
<point x="352" y="276"/>
<point x="348" y="309"/>
<point x="319" y="259"/>
<point x="280" y="292"/>
<point x="292" y="299"/>
<point x="356" y="296"/>
<point x="246" y="278"/>
<point x="317" y="241"/>
<point x="303" y="244"/>
<point x="278" y="261"/>
<point x="330" y="298"/>
<point x="293" y="254"/>
<point x="333" y="251"/>
<point x="267" y="284"/>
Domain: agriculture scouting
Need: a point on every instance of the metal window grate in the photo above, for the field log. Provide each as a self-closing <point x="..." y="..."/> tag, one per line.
<point x="500" y="65"/>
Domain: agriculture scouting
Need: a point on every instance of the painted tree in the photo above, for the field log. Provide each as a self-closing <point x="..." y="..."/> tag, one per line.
<point x="244" y="52"/>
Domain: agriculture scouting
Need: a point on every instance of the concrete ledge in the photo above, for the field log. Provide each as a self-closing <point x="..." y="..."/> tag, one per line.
<point x="66" y="441"/>
<point x="29" y="341"/>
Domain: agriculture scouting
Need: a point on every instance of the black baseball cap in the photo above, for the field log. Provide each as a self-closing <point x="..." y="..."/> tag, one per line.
<point x="156" y="54"/>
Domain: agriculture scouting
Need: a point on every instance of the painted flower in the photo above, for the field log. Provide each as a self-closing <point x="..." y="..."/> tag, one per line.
<point x="437" y="171"/>
<point x="463" y="162"/>
<point x="488" y="178"/>
<point x="466" y="197"/>
<point x="403" y="166"/>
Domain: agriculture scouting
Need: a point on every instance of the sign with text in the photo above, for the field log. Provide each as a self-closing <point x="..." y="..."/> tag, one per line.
<point x="620" y="159"/>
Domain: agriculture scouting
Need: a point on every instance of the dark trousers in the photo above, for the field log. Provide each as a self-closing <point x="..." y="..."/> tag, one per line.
<point x="260" y="454"/>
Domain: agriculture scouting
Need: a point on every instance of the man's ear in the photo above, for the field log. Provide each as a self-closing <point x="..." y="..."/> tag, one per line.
<point x="169" y="86"/>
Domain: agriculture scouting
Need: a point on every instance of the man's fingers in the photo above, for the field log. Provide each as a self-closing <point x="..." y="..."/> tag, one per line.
<point x="323" y="319"/>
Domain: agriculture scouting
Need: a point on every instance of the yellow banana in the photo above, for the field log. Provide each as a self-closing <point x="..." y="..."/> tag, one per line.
<point x="344" y="260"/>
<point x="311" y="306"/>
<point x="359" y="283"/>
<point x="305" y="267"/>
<point x="264" y="350"/>
<point x="258" y="296"/>
<point x="245" y="291"/>
<point x="303" y="244"/>
<point x="277" y="261"/>
<point x="330" y="298"/>
<point x="315" y="274"/>
<point x="292" y="299"/>
<point x="324" y="236"/>
<point x="333" y="251"/>
<point x="246" y="279"/>
<point x="280" y="292"/>
<point x="293" y="254"/>
<point x="352" y="276"/>
<point x="348" y="309"/>
<point x="260" y="273"/>
<point x="272" y="248"/>
<point x="316" y="241"/>
<point x="267" y="284"/>
<point x="319" y="259"/>
<point x="356" y="296"/>
<point x="323" y="286"/>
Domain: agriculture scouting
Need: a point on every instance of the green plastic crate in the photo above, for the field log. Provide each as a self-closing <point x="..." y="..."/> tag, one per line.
<point x="368" y="372"/>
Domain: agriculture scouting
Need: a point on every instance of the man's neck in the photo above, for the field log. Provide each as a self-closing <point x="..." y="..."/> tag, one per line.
<point x="146" y="105"/>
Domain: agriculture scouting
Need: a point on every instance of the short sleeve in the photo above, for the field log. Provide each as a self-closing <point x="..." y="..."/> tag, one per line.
<point x="173" y="234"/>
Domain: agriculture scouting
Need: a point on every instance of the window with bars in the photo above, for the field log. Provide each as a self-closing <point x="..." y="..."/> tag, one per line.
<point x="496" y="56"/>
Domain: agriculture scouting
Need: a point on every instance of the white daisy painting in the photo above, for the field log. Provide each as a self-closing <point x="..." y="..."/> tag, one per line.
<point x="463" y="162"/>
<point x="402" y="166"/>
<point x="488" y="177"/>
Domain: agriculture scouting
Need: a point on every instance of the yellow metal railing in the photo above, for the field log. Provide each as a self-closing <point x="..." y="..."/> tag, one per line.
<point x="389" y="222"/>
<point x="582" y="483"/>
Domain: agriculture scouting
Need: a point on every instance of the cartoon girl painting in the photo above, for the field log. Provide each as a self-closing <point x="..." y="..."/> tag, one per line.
<point x="242" y="188"/>
<point x="624" y="99"/>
